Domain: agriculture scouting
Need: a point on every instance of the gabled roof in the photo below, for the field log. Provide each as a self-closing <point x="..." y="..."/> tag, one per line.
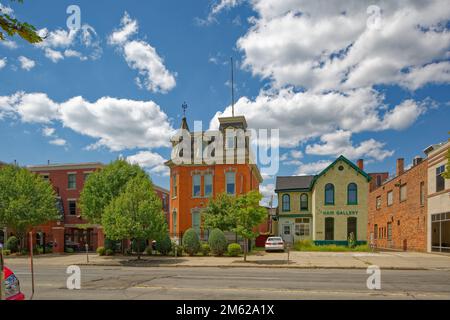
<point x="293" y="182"/>
<point x="351" y="164"/>
<point x="305" y="183"/>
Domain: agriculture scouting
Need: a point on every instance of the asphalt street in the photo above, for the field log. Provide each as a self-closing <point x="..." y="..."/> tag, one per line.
<point x="109" y="283"/>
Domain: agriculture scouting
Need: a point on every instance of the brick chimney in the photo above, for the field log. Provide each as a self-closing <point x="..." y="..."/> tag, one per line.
<point x="400" y="166"/>
<point x="360" y="164"/>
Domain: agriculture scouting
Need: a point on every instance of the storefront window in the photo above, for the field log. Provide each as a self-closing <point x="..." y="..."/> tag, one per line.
<point x="329" y="193"/>
<point x="302" y="227"/>
<point x="286" y="202"/>
<point x="352" y="193"/>
<point x="440" y="228"/>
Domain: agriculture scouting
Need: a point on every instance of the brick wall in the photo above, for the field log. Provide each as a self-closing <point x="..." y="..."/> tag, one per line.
<point x="408" y="218"/>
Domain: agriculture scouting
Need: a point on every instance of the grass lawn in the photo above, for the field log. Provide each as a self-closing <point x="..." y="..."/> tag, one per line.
<point x="307" y="245"/>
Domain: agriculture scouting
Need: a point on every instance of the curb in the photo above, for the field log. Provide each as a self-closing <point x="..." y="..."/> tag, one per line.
<point x="254" y="266"/>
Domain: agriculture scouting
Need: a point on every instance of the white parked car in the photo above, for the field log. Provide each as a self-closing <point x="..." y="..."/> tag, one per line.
<point x="274" y="244"/>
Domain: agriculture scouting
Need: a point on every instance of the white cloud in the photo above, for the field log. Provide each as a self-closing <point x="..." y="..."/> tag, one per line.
<point x="36" y="108"/>
<point x="339" y="143"/>
<point x="216" y="8"/>
<point x="2" y="63"/>
<point x="59" y="38"/>
<point x="116" y="124"/>
<point x="58" y="142"/>
<point x="296" y="42"/>
<point x="305" y="115"/>
<point x="26" y="64"/>
<point x="69" y="53"/>
<point x="403" y="115"/>
<point x="48" y="131"/>
<point x="150" y="161"/>
<point x="144" y="58"/>
<point x="268" y="193"/>
<point x="128" y="27"/>
<point x="6" y="10"/>
<point x="57" y="41"/>
<point x="312" y="168"/>
<point x="53" y="55"/>
<point x="141" y="56"/>
<point x="9" y="44"/>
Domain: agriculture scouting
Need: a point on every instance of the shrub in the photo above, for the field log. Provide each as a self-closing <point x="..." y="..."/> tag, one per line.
<point x="101" y="251"/>
<point x="205" y="249"/>
<point x="217" y="242"/>
<point x="178" y="248"/>
<point x="164" y="245"/>
<point x="109" y="252"/>
<point x="12" y="244"/>
<point x="234" y="249"/>
<point x="6" y="252"/>
<point x="48" y="250"/>
<point x="149" y="250"/>
<point x="191" y="242"/>
<point x="70" y="250"/>
<point x="111" y="244"/>
<point x="142" y="245"/>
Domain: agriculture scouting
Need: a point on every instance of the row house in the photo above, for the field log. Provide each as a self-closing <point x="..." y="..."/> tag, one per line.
<point x="326" y="208"/>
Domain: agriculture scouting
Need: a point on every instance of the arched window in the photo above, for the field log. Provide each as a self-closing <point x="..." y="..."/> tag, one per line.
<point x="329" y="193"/>
<point x="352" y="193"/>
<point x="286" y="202"/>
<point x="304" y="201"/>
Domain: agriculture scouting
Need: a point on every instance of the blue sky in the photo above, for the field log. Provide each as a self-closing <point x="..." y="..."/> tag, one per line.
<point x="330" y="81"/>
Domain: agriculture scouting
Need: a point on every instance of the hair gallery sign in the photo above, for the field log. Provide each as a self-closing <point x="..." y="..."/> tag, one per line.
<point x="339" y="212"/>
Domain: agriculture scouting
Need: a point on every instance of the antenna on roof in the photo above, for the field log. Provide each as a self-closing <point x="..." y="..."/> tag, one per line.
<point x="232" y="86"/>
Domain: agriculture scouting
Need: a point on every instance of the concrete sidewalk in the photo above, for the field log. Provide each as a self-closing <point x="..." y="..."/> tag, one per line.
<point x="305" y="260"/>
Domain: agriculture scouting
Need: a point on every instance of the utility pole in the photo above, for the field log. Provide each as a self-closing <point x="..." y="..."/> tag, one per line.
<point x="232" y="86"/>
<point x="31" y="265"/>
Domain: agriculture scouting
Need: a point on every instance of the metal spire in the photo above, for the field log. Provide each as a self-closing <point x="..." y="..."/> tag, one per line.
<point x="184" y="107"/>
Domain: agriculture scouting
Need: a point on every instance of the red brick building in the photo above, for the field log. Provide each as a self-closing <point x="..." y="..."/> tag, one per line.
<point x="192" y="184"/>
<point x="68" y="181"/>
<point x="398" y="209"/>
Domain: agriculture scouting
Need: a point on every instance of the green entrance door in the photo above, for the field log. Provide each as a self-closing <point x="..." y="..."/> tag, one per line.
<point x="329" y="228"/>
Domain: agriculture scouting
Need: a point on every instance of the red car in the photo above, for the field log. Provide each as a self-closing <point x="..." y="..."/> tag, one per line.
<point x="12" y="286"/>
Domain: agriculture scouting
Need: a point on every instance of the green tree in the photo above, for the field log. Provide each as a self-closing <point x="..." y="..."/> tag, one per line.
<point x="248" y="214"/>
<point x="219" y="213"/>
<point x="11" y="26"/>
<point x="446" y="174"/>
<point x="105" y="185"/>
<point x="26" y="200"/>
<point x="135" y="214"/>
